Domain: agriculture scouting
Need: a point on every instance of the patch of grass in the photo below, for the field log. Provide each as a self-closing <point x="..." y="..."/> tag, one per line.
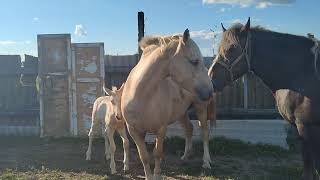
<point x="280" y="172"/>
<point x="47" y="174"/>
<point x="224" y="146"/>
<point x="8" y="174"/>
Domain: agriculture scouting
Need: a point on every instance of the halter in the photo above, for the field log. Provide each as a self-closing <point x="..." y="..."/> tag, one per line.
<point x="316" y="51"/>
<point x="246" y="53"/>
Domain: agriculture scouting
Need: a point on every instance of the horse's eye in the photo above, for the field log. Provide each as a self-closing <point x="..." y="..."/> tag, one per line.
<point x="194" y="62"/>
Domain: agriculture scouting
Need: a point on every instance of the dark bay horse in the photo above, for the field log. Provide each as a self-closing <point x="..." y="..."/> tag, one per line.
<point x="287" y="64"/>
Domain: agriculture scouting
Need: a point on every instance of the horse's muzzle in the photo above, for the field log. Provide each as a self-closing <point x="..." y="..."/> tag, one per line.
<point x="204" y="94"/>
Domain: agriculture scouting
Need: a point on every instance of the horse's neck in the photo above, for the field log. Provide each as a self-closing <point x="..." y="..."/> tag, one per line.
<point x="148" y="73"/>
<point x="149" y="81"/>
<point x="283" y="61"/>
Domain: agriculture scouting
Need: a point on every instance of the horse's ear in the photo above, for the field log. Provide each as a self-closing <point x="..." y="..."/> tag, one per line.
<point x="223" y="29"/>
<point x="119" y="91"/>
<point x="114" y="88"/>
<point x="186" y="35"/>
<point x="246" y="28"/>
<point x="108" y="91"/>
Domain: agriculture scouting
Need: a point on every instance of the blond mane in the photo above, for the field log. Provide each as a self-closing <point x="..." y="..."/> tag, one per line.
<point x="172" y="43"/>
<point x="150" y="43"/>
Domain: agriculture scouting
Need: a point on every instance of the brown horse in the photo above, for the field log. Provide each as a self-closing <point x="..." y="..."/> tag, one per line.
<point x="287" y="64"/>
<point x="169" y="77"/>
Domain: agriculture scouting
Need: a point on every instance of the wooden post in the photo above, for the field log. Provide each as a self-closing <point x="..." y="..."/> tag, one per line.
<point x="140" y="31"/>
<point x="245" y="91"/>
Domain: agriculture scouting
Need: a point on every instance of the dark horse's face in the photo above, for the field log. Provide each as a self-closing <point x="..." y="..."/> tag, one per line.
<point x="232" y="61"/>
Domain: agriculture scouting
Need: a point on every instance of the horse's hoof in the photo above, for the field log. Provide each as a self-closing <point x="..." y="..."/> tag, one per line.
<point x="207" y="172"/>
<point x="113" y="171"/>
<point x="184" y="157"/>
<point x="88" y="157"/>
<point x="126" y="168"/>
<point x="149" y="178"/>
<point x="156" y="177"/>
<point x="206" y="165"/>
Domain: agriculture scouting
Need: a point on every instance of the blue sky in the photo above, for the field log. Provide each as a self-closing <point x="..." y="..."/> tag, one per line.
<point x="114" y="22"/>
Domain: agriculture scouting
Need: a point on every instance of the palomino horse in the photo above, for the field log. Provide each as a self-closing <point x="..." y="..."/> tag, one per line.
<point x="169" y="77"/>
<point x="106" y="111"/>
<point x="287" y="64"/>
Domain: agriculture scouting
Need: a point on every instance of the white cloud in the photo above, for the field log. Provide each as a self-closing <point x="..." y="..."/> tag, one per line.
<point x="203" y="34"/>
<point x="35" y="19"/>
<point x="18" y="43"/>
<point x="236" y="21"/>
<point x="242" y="21"/>
<point x="7" y="42"/>
<point x="27" y="42"/>
<point x="260" y="4"/>
<point x="80" y="31"/>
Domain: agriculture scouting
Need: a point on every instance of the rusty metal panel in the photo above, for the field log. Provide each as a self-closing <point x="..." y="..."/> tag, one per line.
<point x="54" y="52"/>
<point x="88" y="78"/>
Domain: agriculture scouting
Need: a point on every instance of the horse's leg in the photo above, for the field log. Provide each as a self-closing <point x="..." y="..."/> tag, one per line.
<point x="93" y="130"/>
<point x="316" y="153"/>
<point x="106" y="144"/>
<point x="88" y="153"/>
<point x="126" y="149"/>
<point x="110" y="132"/>
<point x="308" y="166"/>
<point x="157" y="152"/>
<point x="315" y="136"/>
<point x="138" y="138"/>
<point x="202" y="116"/>
<point x="188" y="130"/>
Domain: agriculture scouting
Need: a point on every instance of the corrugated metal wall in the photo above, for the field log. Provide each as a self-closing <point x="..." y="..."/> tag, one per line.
<point x="117" y="68"/>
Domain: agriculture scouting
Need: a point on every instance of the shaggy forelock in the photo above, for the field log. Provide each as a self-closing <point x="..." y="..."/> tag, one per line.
<point x="157" y="41"/>
<point x="230" y="37"/>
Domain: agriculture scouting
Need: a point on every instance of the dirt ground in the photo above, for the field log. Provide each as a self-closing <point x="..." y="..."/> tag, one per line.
<point x="35" y="158"/>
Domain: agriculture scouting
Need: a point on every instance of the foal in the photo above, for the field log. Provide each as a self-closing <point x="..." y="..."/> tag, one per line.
<point x="106" y="110"/>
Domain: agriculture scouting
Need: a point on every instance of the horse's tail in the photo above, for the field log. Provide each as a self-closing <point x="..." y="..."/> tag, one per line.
<point x="212" y="111"/>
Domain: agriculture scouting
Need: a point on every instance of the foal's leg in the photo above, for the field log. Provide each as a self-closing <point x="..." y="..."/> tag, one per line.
<point x="106" y="145"/>
<point x="93" y="130"/>
<point x="126" y="149"/>
<point x="202" y="116"/>
<point x="138" y="138"/>
<point x="88" y="153"/>
<point x="110" y="132"/>
<point x="157" y="152"/>
<point x="188" y="129"/>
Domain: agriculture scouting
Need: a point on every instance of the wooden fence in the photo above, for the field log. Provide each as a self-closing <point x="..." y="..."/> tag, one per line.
<point x="13" y="96"/>
<point x="19" y="108"/>
<point x="234" y="101"/>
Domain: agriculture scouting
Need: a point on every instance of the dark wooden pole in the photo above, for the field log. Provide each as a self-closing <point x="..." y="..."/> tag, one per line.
<point x="140" y="30"/>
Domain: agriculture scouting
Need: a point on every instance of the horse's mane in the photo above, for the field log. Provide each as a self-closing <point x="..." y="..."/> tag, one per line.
<point x="231" y="36"/>
<point x="149" y="43"/>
